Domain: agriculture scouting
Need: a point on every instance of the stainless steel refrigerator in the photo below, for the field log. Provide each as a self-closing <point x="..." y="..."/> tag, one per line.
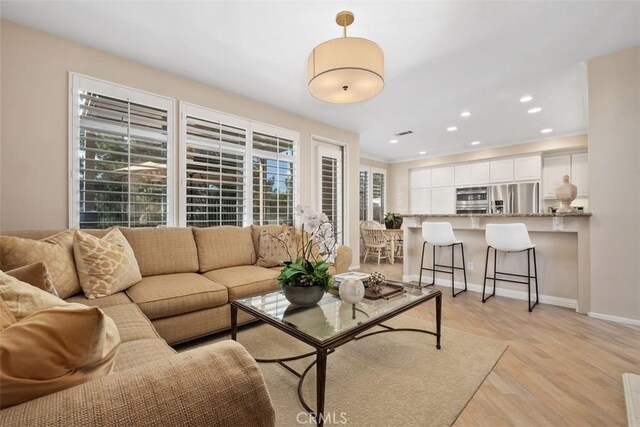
<point x="515" y="198"/>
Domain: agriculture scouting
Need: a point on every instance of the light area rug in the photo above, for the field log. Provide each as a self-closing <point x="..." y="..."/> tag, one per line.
<point x="390" y="379"/>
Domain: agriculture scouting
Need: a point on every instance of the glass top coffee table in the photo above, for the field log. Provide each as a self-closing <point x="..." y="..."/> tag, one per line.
<point x="330" y="324"/>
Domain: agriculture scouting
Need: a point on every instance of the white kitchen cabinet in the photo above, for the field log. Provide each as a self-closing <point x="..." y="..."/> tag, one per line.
<point x="420" y="178"/>
<point x="442" y="177"/>
<point x="502" y="170"/>
<point x="463" y="175"/>
<point x="554" y="169"/>
<point x="480" y="173"/>
<point x="443" y="200"/>
<point x="527" y="168"/>
<point x="420" y="201"/>
<point x="580" y="173"/>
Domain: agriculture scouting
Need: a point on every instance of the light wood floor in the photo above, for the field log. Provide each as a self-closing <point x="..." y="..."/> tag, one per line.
<point x="561" y="368"/>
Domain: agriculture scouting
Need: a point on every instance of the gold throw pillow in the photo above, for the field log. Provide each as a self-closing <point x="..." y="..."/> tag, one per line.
<point x="105" y="265"/>
<point x="6" y="316"/>
<point x="36" y="274"/>
<point x="56" y="251"/>
<point x="274" y="250"/>
<point x="54" y="349"/>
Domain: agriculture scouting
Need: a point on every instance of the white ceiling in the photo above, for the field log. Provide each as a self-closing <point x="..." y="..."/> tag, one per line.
<point x="441" y="58"/>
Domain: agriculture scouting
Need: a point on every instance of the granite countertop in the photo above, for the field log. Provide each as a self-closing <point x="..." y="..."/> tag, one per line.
<point x="516" y="215"/>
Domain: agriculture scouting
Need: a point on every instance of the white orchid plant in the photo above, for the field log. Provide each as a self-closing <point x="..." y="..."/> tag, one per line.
<point x="311" y="269"/>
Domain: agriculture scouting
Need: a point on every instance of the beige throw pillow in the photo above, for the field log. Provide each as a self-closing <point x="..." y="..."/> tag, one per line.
<point x="105" y="265"/>
<point x="6" y="316"/>
<point x="54" y="349"/>
<point x="56" y="251"/>
<point x="274" y="250"/>
<point x="36" y="274"/>
<point x="24" y="299"/>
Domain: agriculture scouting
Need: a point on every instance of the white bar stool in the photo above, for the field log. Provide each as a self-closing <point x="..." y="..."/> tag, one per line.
<point x="440" y="234"/>
<point x="510" y="238"/>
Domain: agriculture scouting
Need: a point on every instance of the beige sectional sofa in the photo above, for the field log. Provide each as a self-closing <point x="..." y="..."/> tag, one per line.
<point x="189" y="276"/>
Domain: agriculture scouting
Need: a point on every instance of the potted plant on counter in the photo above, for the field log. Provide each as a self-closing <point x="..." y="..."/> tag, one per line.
<point x="392" y="220"/>
<point x="305" y="280"/>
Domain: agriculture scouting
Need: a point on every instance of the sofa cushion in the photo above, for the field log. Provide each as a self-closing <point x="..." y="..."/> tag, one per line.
<point x="246" y="280"/>
<point x="163" y="250"/>
<point x="106" y="265"/>
<point x="55" y="349"/>
<point x="56" y="251"/>
<point x="36" y="274"/>
<point x="115" y="299"/>
<point x="141" y="352"/>
<point x="171" y="294"/>
<point x="224" y="246"/>
<point x="131" y="323"/>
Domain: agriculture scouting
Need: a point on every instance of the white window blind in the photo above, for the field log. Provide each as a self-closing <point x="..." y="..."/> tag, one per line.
<point x="215" y="173"/>
<point x="120" y="152"/>
<point x="274" y="178"/>
<point x="364" y="195"/>
<point x="378" y="196"/>
<point x="331" y="186"/>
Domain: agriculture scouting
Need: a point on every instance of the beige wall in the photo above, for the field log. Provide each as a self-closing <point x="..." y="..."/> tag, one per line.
<point x="34" y="106"/>
<point x="614" y="183"/>
<point x="366" y="162"/>
<point x="398" y="176"/>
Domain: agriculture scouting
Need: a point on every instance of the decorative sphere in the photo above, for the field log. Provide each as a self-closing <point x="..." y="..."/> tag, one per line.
<point x="376" y="282"/>
<point x="351" y="291"/>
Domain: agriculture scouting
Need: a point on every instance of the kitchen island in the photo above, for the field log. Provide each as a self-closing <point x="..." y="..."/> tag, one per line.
<point x="562" y="246"/>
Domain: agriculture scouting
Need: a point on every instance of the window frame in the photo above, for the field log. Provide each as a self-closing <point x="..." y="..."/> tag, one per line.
<point x="250" y="127"/>
<point x="370" y="170"/>
<point x="79" y="82"/>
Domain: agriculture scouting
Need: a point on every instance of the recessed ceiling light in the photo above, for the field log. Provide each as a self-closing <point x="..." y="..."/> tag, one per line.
<point x="452" y="129"/>
<point x="534" y="110"/>
<point x="465" y="114"/>
<point x="393" y="141"/>
<point x="422" y="152"/>
<point x="547" y="130"/>
<point x="526" y="98"/>
<point x="475" y="143"/>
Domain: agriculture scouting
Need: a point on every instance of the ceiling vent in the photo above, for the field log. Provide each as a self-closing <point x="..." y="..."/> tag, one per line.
<point x="406" y="132"/>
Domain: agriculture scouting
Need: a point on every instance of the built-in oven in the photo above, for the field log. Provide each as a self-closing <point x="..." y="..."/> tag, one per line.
<point x="472" y="200"/>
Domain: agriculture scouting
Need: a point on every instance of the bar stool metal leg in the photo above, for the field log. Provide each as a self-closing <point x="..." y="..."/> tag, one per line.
<point x="484" y="283"/>
<point x="535" y="272"/>
<point x="421" y="265"/>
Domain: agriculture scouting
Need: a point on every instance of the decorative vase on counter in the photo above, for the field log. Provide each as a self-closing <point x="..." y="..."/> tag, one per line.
<point x="566" y="193"/>
<point x="351" y="291"/>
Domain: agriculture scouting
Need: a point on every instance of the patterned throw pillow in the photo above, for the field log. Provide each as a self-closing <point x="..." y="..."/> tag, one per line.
<point x="36" y="274"/>
<point x="276" y="249"/>
<point x="56" y="251"/>
<point x="105" y="265"/>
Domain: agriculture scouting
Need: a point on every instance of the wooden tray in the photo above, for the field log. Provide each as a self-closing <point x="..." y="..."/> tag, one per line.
<point x="389" y="290"/>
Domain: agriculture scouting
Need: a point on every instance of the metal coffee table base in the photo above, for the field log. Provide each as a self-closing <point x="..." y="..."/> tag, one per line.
<point x="324" y="349"/>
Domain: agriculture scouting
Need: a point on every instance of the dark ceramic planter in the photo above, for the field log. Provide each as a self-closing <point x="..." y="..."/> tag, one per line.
<point x="393" y="225"/>
<point x="304" y="296"/>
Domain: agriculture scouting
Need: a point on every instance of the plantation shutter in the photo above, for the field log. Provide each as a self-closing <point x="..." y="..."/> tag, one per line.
<point x="121" y="160"/>
<point x="274" y="178"/>
<point x="378" y="196"/>
<point x="364" y="195"/>
<point x="215" y="173"/>
<point x="331" y="187"/>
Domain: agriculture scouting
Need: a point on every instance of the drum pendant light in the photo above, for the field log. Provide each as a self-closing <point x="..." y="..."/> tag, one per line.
<point x="347" y="69"/>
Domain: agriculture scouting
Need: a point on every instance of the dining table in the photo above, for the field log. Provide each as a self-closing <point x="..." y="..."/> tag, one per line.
<point x="394" y="235"/>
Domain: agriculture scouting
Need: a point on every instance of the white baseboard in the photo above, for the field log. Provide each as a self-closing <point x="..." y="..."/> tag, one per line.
<point x="507" y="293"/>
<point x="617" y="319"/>
<point x="355" y="267"/>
